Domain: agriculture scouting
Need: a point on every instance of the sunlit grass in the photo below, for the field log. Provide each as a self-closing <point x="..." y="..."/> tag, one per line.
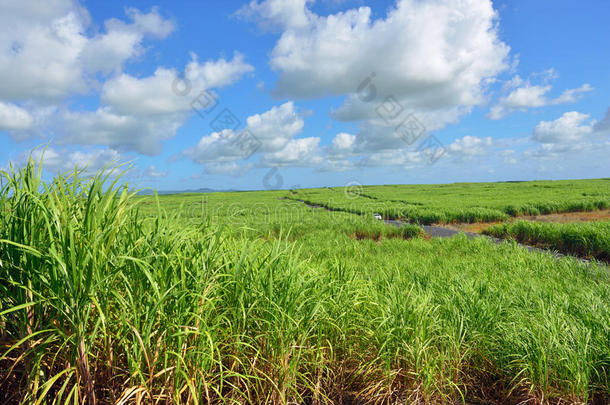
<point x="249" y="298"/>
<point x="588" y="239"/>
<point x="464" y="202"/>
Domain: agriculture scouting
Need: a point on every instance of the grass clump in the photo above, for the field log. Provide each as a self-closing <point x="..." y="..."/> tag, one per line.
<point x="100" y="305"/>
<point x="554" y="207"/>
<point x="381" y="231"/>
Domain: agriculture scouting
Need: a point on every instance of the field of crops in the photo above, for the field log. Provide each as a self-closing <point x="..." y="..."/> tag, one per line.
<point x="464" y="202"/>
<point x="590" y="240"/>
<point x="255" y="297"/>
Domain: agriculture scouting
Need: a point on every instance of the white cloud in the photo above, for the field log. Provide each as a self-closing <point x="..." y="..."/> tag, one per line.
<point x="46" y="54"/>
<point x="571" y="95"/>
<point x="527" y="96"/>
<point x="62" y="160"/>
<point x="372" y="138"/>
<point x="276" y="127"/>
<point x="156" y="94"/>
<point x="122" y="132"/>
<point x="524" y="95"/>
<point x="344" y="141"/>
<point x="277" y="13"/>
<point x="571" y="139"/>
<point x="342" y="145"/>
<point x="268" y="132"/>
<point x="552" y="151"/>
<point x="470" y="146"/>
<point x="297" y="152"/>
<point x="13" y="117"/>
<point x="570" y="127"/>
<point x="217" y="147"/>
<point x="142" y="96"/>
<point x="151" y="23"/>
<point x="108" y="51"/>
<point x="429" y="55"/>
<point x="435" y="59"/>
<point x="49" y="53"/>
<point x="341" y="154"/>
<point x="138" y="113"/>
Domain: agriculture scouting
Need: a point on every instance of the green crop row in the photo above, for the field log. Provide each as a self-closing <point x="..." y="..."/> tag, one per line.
<point x="590" y="239"/>
<point x="451" y="203"/>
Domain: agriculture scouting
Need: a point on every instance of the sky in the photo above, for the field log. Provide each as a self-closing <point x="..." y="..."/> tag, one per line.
<point x="268" y="94"/>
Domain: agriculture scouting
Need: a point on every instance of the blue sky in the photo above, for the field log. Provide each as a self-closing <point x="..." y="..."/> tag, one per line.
<point x="469" y="90"/>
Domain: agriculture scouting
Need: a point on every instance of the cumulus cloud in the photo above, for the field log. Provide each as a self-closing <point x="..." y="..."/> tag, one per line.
<point x="277" y="145"/>
<point x="434" y="59"/>
<point x="13" y="117"/>
<point x="63" y="160"/>
<point x="276" y="127"/>
<point x="283" y="14"/>
<point x="122" y="41"/>
<point x="524" y="95"/>
<point x="268" y="132"/>
<point x="570" y="127"/>
<point x="508" y="156"/>
<point x="46" y="54"/>
<point x="574" y="134"/>
<point x="270" y="135"/>
<point x="297" y="152"/>
<point x="120" y="132"/>
<point x="216" y="147"/>
<point x="470" y="146"/>
<point x="553" y="151"/>
<point x="342" y="145"/>
<point x="138" y="113"/>
<point x="430" y="55"/>
<point x="49" y="52"/>
<point x="157" y="94"/>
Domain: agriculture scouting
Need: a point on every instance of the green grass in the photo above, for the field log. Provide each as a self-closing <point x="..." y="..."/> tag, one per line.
<point x="464" y="202"/>
<point x="252" y="298"/>
<point x="590" y="240"/>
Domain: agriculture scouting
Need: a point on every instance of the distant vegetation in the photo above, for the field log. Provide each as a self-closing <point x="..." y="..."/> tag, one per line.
<point x="591" y="240"/>
<point x="464" y="202"/>
<point x="107" y="297"/>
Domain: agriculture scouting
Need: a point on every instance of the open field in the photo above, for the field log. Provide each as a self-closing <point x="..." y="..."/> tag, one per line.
<point x="256" y="297"/>
<point x="465" y="202"/>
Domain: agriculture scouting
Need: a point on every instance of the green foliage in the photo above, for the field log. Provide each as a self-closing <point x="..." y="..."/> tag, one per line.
<point x="582" y="239"/>
<point x="465" y="202"/>
<point x="254" y="298"/>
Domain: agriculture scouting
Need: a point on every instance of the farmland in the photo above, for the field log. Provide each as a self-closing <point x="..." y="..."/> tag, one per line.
<point x="296" y="296"/>
<point x="584" y="239"/>
<point x="465" y="202"/>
